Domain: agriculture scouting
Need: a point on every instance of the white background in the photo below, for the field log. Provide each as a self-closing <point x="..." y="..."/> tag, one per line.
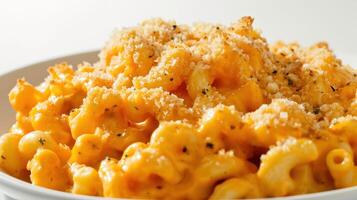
<point x="33" y="30"/>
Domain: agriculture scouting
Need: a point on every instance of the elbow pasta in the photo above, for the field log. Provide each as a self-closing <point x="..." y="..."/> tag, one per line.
<point x="188" y="112"/>
<point x="276" y="165"/>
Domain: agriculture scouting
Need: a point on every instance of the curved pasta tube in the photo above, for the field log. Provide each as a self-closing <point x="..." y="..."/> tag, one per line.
<point x="47" y="116"/>
<point x="319" y="167"/>
<point x="276" y="165"/>
<point x="48" y="171"/>
<point x="342" y="168"/>
<point x="305" y="182"/>
<point x="86" y="119"/>
<point x="24" y="96"/>
<point x="86" y="78"/>
<point x="220" y="166"/>
<point x="220" y="125"/>
<point x="153" y="166"/>
<point x="35" y="140"/>
<point x="11" y="159"/>
<point x="112" y="178"/>
<point x="154" y="174"/>
<point x="347" y="127"/>
<point x="170" y="72"/>
<point x="238" y="188"/>
<point x="143" y="103"/>
<point x="87" y="150"/>
<point x="179" y="142"/>
<point x="212" y="168"/>
<point x="130" y="53"/>
<point x="248" y="97"/>
<point x="86" y="180"/>
<point x="137" y="132"/>
<point x="60" y="81"/>
<point x="273" y="122"/>
<point x="199" y="82"/>
<point x="23" y="124"/>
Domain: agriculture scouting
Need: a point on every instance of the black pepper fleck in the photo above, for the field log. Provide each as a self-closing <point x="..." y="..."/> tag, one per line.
<point x="204" y="91"/>
<point x="232" y="127"/>
<point x="119" y="134"/>
<point x="106" y="109"/>
<point x="275" y="71"/>
<point x="316" y="111"/>
<point x="174" y="26"/>
<point x="318" y="137"/>
<point x="184" y="149"/>
<point x="290" y="82"/>
<point x="332" y="88"/>
<point x="171" y="79"/>
<point x="209" y="145"/>
<point x="3" y="157"/>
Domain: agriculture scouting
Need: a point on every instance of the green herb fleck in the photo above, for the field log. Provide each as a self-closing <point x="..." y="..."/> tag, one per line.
<point x="42" y="141"/>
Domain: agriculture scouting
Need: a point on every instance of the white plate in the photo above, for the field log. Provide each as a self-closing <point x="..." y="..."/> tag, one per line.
<point x="17" y="189"/>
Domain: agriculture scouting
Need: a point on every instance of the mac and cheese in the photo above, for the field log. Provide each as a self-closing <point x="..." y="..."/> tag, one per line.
<point x="188" y="112"/>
